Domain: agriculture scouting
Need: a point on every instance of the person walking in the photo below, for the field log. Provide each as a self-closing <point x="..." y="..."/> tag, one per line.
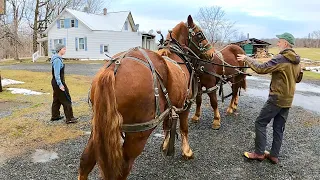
<point x="285" y="73"/>
<point x="61" y="95"/>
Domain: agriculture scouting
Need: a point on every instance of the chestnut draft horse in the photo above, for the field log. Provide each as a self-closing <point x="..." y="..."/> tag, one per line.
<point x="224" y="68"/>
<point x="133" y="93"/>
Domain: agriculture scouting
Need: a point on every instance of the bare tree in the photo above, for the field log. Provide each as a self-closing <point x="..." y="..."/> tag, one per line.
<point x="93" y="6"/>
<point x="316" y="37"/>
<point x="38" y="14"/>
<point x="17" y="13"/>
<point x="217" y="28"/>
<point x="239" y="36"/>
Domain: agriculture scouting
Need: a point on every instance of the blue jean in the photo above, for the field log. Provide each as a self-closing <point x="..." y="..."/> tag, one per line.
<point x="279" y="116"/>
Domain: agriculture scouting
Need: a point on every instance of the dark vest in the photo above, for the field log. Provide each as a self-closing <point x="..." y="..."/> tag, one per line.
<point x="54" y="82"/>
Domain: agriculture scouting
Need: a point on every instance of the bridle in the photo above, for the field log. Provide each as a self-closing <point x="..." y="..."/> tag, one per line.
<point x="199" y="36"/>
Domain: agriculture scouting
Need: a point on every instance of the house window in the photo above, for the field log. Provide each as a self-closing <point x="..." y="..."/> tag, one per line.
<point x="61" y="23"/>
<point x="126" y="26"/>
<point x="106" y="48"/>
<point x="56" y="41"/>
<point x="81" y="43"/>
<point x="72" y="23"/>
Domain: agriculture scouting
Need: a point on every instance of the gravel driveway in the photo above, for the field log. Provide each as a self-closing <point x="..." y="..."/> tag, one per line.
<point x="218" y="154"/>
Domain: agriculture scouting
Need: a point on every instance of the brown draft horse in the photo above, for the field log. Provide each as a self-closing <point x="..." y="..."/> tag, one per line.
<point x="123" y="93"/>
<point x="209" y="79"/>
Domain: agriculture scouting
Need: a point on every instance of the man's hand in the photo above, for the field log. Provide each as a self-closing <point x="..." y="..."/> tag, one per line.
<point x="62" y="88"/>
<point x="241" y="57"/>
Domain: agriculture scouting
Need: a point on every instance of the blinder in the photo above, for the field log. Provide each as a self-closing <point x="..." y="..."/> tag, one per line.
<point x="198" y="37"/>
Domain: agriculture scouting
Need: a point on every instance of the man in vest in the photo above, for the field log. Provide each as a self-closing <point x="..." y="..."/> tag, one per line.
<point x="61" y="95"/>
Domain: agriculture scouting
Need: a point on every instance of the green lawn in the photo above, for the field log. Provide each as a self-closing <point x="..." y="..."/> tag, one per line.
<point x="310" y="53"/>
<point x="311" y="75"/>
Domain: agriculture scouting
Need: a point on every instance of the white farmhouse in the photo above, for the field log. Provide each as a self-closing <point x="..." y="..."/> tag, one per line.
<point x="91" y="36"/>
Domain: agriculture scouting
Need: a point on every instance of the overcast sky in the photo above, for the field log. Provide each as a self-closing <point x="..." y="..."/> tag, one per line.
<point x="261" y="19"/>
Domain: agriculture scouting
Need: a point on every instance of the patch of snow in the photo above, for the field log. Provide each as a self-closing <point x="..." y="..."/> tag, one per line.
<point x="6" y="82"/>
<point x="24" y="91"/>
<point x="42" y="156"/>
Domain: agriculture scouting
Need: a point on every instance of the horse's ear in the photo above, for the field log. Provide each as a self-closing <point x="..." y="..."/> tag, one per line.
<point x="190" y="21"/>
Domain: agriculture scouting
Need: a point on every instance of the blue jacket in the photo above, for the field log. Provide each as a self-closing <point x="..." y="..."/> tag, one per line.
<point x="57" y="64"/>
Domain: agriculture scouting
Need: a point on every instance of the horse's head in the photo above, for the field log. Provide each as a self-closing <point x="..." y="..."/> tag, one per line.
<point x="190" y="35"/>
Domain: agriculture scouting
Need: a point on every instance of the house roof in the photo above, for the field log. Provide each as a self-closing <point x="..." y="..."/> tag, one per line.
<point x="112" y="21"/>
<point x="254" y="40"/>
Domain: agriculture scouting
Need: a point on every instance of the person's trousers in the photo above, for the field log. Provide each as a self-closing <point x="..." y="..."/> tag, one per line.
<point x="279" y="115"/>
<point x="61" y="98"/>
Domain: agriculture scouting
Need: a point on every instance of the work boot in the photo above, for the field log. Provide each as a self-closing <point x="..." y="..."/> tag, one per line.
<point x="254" y="156"/>
<point x="57" y="118"/>
<point x="72" y="120"/>
<point x="273" y="160"/>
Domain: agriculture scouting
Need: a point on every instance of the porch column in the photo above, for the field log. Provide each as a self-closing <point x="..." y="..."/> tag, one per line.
<point x="145" y="42"/>
<point x="40" y="49"/>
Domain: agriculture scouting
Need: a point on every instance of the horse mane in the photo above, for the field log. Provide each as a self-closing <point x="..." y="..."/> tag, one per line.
<point x="176" y="32"/>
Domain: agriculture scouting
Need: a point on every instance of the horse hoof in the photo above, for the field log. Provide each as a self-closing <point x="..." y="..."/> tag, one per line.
<point x="215" y="127"/>
<point x="229" y="111"/>
<point x="195" y="119"/>
<point x="185" y="157"/>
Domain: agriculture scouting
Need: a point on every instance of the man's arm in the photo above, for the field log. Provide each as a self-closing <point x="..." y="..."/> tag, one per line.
<point x="299" y="78"/>
<point x="264" y="68"/>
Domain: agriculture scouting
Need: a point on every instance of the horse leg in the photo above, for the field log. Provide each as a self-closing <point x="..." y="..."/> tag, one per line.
<point x="87" y="161"/>
<point x="186" y="150"/>
<point x="231" y="105"/>
<point x="132" y="147"/>
<point x="197" y="114"/>
<point x="214" y="104"/>
<point x="165" y="144"/>
<point x="236" y="101"/>
<point x="235" y="97"/>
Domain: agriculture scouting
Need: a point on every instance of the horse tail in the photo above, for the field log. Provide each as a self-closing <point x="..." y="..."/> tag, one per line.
<point x="107" y="123"/>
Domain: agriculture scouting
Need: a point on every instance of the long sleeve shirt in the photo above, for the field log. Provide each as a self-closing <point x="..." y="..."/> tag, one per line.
<point x="57" y="64"/>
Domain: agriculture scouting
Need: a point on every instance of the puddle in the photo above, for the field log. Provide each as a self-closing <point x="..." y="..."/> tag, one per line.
<point x="24" y="91"/>
<point x="42" y="156"/>
<point x="6" y="82"/>
<point x="304" y="87"/>
<point x="307" y="102"/>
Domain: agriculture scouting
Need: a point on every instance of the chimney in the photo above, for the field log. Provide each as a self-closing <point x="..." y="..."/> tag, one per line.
<point x="104" y="11"/>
